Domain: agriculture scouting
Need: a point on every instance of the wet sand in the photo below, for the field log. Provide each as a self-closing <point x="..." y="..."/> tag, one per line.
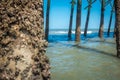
<point x="92" y="59"/>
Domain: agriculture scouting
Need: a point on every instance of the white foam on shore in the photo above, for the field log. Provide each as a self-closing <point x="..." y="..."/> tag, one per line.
<point x="66" y="32"/>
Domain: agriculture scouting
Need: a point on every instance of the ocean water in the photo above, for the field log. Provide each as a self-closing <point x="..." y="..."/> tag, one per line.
<point x="62" y="34"/>
<point x="92" y="59"/>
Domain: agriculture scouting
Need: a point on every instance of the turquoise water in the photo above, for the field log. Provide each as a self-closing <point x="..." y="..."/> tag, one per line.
<point x="92" y="59"/>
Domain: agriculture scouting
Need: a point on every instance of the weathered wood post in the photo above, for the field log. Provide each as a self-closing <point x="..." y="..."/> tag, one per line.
<point x="117" y="12"/>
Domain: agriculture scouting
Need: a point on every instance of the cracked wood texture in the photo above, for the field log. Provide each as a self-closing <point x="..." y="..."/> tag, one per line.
<point x="22" y="44"/>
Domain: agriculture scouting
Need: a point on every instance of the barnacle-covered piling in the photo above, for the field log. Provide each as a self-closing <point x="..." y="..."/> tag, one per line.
<point x="22" y="44"/>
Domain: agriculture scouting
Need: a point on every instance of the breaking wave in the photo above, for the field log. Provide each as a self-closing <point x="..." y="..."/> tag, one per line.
<point x="66" y="32"/>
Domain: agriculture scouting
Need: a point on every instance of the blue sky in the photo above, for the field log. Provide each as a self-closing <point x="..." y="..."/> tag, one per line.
<point x="60" y="15"/>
